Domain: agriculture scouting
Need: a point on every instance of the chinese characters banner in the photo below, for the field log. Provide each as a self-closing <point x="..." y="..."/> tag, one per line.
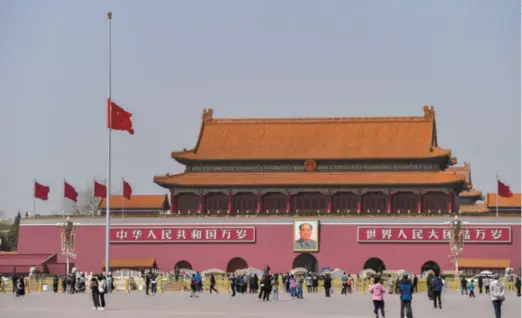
<point x="432" y="234"/>
<point x="183" y="234"/>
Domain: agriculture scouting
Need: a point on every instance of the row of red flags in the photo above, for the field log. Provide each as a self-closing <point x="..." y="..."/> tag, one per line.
<point x="69" y="192"/>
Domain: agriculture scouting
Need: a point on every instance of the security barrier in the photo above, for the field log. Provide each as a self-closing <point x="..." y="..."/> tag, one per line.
<point x="164" y="285"/>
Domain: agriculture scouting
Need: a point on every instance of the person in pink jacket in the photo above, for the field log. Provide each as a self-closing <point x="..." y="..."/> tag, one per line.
<point x="378" y="291"/>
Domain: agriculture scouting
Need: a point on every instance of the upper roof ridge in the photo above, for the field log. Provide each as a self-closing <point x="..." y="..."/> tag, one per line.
<point x="429" y="115"/>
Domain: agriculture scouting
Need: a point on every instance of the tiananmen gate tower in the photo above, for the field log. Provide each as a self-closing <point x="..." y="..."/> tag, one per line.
<point x="316" y="165"/>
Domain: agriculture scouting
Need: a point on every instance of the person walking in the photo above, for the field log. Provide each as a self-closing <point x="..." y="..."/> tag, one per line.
<point x="55" y="284"/>
<point x="95" y="293"/>
<point x="463" y="286"/>
<point x="275" y="288"/>
<point x="213" y="284"/>
<point x="406" y="297"/>
<point x="436" y="287"/>
<point x="102" y="289"/>
<point x="327" y="285"/>
<point x="518" y="285"/>
<point x="487" y="283"/>
<point x="153" y="285"/>
<point x="344" y="280"/>
<point x="472" y="289"/>
<point x="194" y="287"/>
<point x="378" y="292"/>
<point x="496" y="292"/>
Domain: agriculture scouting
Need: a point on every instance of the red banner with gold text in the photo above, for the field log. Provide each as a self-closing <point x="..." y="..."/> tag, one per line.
<point x="183" y="234"/>
<point x="405" y="234"/>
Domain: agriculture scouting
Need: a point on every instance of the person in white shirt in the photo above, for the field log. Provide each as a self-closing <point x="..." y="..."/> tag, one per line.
<point x="496" y="292"/>
<point x="102" y="289"/>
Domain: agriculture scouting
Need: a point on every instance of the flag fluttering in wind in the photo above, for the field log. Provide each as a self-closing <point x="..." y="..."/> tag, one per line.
<point x="503" y="190"/>
<point x="69" y="192"/>
<point x="100" y="190"/>
<point x="118" y="118"/>
<point x="41" y="192"/>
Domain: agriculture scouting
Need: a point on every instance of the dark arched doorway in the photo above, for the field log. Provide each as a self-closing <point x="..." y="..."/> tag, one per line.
<point x="235" y="264"/>
<point x="430" y="266"/>
<point x="183" y="265"/>
<point x="376" y="264"/>
<point x="307" y="261"/>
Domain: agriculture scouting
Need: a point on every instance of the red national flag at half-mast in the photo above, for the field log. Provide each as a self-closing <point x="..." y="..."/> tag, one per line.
<point x="41" y="192"/>
<point x="118" y="118"/>
<point x="127" y="190"/>
<point x="69" y="192"/>
<point x="100" y="190"/>
<point x="503" y="190"/>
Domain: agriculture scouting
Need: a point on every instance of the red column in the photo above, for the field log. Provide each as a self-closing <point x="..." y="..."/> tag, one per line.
<point x="201" y="204"/>
<point x="259" y="203"/>
<point x="359" y="203"/>
<point x="450" y="202"/>
<point x="230" y="203"/>
<point x="390" y="197"/>
<point x="288" y="203"/>
<point x="173" y="203"/>
<point x="330" y="203"/>
<point x="419" y="203"/>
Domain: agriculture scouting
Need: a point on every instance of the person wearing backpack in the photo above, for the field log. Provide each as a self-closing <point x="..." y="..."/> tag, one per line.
<point x="406" y="296"/>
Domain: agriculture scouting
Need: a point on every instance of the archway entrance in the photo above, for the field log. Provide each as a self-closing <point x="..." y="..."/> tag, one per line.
<point x="307" y="261"/>
<point x="430" y="265"/>
<point x="376" y="264"/>
<point x="183" y="265"/>
<point x="235" y="264"/>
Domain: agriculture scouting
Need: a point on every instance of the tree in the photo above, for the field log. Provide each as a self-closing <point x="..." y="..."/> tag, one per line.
<point x="87" y="203"/>
<point x="26" y="214"/>
<point x="12" y="239"/>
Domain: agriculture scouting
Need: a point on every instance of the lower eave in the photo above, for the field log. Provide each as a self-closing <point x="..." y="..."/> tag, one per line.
<point x="249" y="179"/>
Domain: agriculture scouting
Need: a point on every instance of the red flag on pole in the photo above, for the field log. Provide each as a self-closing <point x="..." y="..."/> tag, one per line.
<point x="504" y="190"/>
<point x="69" y="192"/>
<point x="118" y="118"/>
<point x="41" y="192"/>
<point x="127" y="190"/>
<point x="100" y="190"/>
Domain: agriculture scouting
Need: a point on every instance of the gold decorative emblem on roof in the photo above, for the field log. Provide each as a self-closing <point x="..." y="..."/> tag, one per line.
<point x="429" y="111"/>
<point x="207" y="115"/>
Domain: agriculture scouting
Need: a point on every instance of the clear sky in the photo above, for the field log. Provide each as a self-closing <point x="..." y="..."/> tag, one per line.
<point x="287" y="58"/>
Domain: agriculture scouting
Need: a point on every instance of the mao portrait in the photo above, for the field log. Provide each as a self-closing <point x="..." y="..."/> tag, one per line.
<point x="306" y="236"/>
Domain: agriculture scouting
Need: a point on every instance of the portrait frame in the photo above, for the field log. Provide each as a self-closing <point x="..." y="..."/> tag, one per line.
<point x="314" y="238"/>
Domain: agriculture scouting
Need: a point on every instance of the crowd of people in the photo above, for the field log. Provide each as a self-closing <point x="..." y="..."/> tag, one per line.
<point x="267" y="287"/>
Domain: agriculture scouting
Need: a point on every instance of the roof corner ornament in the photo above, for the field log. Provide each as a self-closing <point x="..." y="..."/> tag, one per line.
<point x="466" y="163"/>
<point x="429" y="112"/>
<point x="207" y="115"/>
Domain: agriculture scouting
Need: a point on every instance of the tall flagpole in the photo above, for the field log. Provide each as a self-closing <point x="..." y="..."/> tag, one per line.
<point x="34" y="199"/>
<point x="122" y="194"/>
<point x="109" y="120"/>
<point x="497" y="196"/>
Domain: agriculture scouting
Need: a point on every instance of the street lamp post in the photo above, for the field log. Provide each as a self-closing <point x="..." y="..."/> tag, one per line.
<point x="68" y="242"/>
<point x="457" y="242"/>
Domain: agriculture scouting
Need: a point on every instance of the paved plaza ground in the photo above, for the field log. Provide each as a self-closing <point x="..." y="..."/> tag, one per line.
<point x="179" y="305"/>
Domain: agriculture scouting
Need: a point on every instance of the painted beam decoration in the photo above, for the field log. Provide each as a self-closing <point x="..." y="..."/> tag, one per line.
<point x="432" y="234"/>
<point x="178" y="234"/>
